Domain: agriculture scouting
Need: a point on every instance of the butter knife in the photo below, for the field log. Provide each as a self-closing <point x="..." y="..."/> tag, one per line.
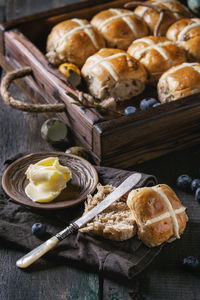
<point x="36" y="253"/>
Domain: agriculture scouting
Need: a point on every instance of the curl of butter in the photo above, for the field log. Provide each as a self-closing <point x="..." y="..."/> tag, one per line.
<point x="47" y="179"/>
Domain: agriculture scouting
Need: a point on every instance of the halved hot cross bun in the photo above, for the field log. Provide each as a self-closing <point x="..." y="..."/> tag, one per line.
<point x="159" y="214"/>
<point x="186" y="33"/>
<point x="116" y="222"/>
<point x="119" y="27"/>
<point x="178" y="82"/>
<point x="73" y="41"/>
<point x="175" y="11"/>
<point x="114" y="73"/>
<point x="157" y="54"/>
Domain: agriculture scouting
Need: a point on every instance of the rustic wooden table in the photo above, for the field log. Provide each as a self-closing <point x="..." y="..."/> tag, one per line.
<point x="163" y="279"/>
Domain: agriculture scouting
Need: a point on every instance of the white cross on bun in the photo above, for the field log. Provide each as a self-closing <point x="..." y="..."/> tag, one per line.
<point x="119" y="27"/>
<point x="157" y="54"/>
<point x="186" y="33"/>
<point x="159" y="214"/>
<point x="178" y="82"/>
<point x="73" y="41"/>
<point x="114" y="73"/>
<point x="151" y="16"/>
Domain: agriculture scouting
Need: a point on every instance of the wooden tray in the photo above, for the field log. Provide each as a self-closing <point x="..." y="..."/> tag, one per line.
<point x="120" y="142"/>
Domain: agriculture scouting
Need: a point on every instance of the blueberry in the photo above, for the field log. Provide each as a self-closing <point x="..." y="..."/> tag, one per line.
<point x="130" y="110"/>
<point x="195" y="184"/>
<point x="183" y="182"/>
<point x="147" y="103"/>
<point x="38" y="229"/>
<point x="197" y="195"/>
<point x="190" y="263"/>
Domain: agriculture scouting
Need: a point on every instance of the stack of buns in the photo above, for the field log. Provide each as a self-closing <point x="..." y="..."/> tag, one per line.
<point x="154" y="213"/>
<point x="118" y="55"/>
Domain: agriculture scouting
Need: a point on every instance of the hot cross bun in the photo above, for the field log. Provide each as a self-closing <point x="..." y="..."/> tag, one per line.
<point x="151" y="16"/>
<point x="119" y="27"/>
<point x="73" y="41"/>
<point x="116" y="222"/>
<point x="159" y="214"/>
<point x="179" y="81"/>
<point x="186" y="33"/>
<point x="114" y="73"/>
<point x="157" y="54"/>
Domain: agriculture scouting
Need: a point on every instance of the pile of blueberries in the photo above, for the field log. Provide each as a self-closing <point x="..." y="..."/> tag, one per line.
<point x="144" y="105"/>
<point x="187" y="184"/>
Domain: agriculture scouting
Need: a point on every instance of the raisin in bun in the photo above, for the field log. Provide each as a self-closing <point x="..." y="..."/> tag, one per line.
<point x="114" y="73"/>
<point x="157" y="54"/>
<point x="186" y="33"/>
<point x="179" y="81"/>
<point x="116" y="222"/>
<point x="159" y="214"/>
<point x="73" y="41"/>
<point x="151" y="16"/>
<point x="119" y="27"/>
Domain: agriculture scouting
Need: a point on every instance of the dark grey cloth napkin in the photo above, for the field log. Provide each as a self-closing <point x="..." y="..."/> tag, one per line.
<point x="126" y="258"/>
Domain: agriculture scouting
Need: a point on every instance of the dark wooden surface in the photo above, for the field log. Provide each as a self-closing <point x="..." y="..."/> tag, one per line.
<point x="163" y="279"/>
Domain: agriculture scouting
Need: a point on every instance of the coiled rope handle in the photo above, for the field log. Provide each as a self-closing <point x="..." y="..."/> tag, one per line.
<point x="18" y="104"/>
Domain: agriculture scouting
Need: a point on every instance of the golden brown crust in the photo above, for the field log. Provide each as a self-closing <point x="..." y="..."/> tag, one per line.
<point x="186" y="33"/>
<point x="151" y="207"/>
<point x="119" y="32"/>
<point x="179" y="81"/>
<point x="157" y="54"/>
<point x="151" y="17"/>
<point x="156" y="234"/>
<point x="109" y="69"/>
<point x="67" y="43"/>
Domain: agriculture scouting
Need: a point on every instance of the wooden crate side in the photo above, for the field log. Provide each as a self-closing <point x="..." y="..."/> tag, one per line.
<point x="152" y="137"/>
<point x="21" y="50"/>
<point x="30" y="88"/>
<point x="97" y="139"/>
<point x="150" y="151"/>
<point x="27" y="85"/>
<point x="50" y="75"/>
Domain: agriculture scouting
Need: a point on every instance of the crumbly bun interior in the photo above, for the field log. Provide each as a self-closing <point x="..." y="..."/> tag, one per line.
<point x="116" y="222"/>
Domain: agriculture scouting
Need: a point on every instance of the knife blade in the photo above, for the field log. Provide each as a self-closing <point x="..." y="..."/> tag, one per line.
<point x="36" y="253"/>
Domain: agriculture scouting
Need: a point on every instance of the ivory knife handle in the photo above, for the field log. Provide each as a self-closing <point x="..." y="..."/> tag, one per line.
<point x="36" y="253"/>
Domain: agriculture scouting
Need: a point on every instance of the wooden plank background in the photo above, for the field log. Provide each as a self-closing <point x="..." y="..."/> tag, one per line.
<point x="162" y="280"/>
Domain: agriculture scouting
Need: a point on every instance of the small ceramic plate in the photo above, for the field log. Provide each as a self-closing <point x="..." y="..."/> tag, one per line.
<point x="83" y="182"/>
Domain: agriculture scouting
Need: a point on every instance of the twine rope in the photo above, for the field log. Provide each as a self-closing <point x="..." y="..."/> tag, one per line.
<point x="18" y="104"/>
